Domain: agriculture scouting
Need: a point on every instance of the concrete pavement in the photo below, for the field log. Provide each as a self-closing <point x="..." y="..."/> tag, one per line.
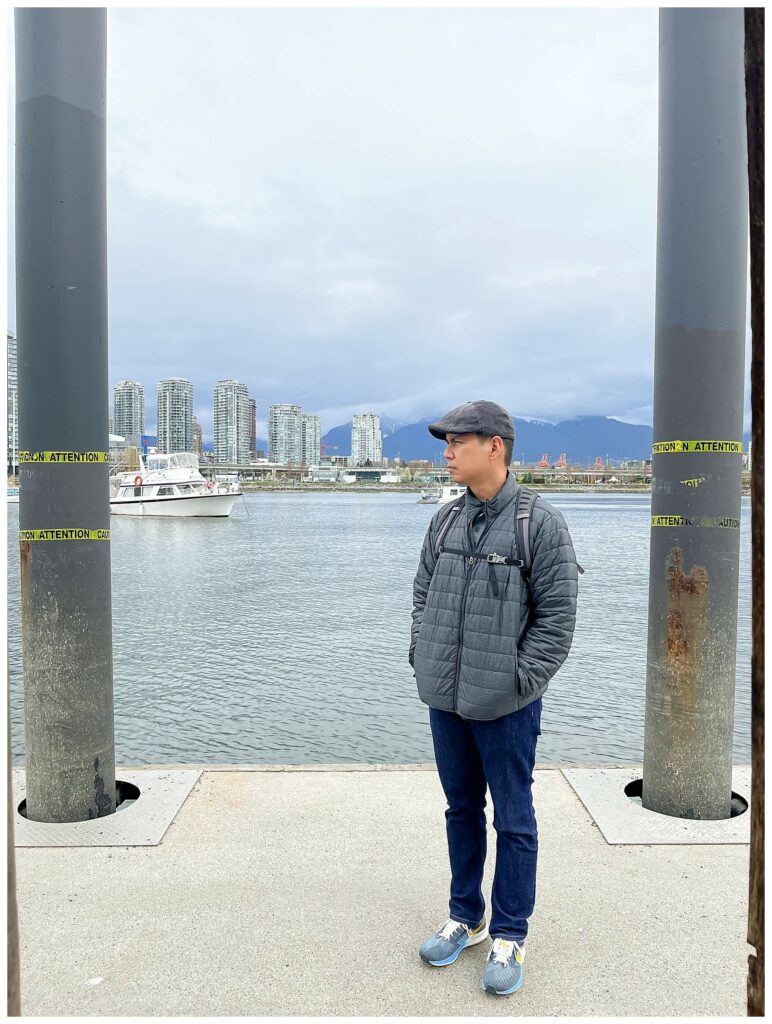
<point x="308" y="893"/>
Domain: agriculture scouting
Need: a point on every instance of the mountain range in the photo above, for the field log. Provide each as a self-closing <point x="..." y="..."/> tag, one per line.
<point x="582" y="439"/>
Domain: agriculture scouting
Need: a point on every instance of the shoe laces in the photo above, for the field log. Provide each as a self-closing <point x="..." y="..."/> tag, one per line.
<point x="449" y="929"/>
<point x="503" y="949"/>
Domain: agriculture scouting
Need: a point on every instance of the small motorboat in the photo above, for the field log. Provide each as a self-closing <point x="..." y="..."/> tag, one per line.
<point x="450" y="492"/>
<point x="170" y="485"/>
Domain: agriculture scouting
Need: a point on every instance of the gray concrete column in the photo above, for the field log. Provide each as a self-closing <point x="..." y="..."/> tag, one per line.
<point x="702" y="238"/>
<point x="64" y="511"/>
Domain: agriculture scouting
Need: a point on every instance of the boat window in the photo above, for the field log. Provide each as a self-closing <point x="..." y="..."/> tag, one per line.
<point x="165" y="490"/>
<point x="138" y="491"/>
<point x="177" y="460"/>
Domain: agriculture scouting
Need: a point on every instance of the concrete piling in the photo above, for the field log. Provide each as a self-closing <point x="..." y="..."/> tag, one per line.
<point x="64" y="509"/>
<point x="702" y="238"/>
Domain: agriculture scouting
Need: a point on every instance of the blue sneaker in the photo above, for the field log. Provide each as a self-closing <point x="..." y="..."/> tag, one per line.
<point x="443" y="947"/>
<point x="503" y="973"/>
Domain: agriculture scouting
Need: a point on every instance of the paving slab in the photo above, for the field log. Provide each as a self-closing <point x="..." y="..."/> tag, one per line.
<point x="624" y="820"/>
<point x="140" y="822"/>
<point x="308" y="893"/>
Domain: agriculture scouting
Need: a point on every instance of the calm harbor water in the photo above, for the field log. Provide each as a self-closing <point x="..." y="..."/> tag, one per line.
<point x="280" y="635"/>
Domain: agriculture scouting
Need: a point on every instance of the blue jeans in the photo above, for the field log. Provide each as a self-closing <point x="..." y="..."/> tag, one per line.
<point x="499" y="754"/>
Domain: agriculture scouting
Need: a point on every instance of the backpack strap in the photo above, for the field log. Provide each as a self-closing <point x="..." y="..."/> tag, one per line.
<point x="447" y="521"/>
<point x="525" y="502"/>
<point x="526" y="499"/>
<point x="523" y="512"/>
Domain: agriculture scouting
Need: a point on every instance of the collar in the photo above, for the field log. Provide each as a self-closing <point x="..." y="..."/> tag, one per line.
<point x="473" y="505"/>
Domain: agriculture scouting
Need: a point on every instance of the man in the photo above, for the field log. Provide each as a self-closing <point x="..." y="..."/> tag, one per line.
<point x="486" y="640"/>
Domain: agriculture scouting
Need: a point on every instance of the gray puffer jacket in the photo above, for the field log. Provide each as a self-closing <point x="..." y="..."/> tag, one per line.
<point x="481" y="644"/>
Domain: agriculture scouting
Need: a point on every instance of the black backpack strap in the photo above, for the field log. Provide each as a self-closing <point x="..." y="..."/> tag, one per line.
<point x="491" y="559"/>
<point x="523" y="512"/>
<point x="525" y="502"/>
<point x="449" y="516"/>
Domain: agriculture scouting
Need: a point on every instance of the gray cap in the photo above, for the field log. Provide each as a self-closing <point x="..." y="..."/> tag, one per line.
<point x="484" y="418"/>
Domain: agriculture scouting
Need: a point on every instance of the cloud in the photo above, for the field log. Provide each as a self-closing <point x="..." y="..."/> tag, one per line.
<point x="386" y="210"/>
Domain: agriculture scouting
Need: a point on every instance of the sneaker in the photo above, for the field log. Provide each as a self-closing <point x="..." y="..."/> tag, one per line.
<point x="503" y="973"/>
<point x="443" y="947"/>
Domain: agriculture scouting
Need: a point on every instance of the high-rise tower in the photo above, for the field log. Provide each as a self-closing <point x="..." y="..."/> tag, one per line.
<point x="129" y="410"/>
<point x="284" y="434"/>
<point x="310" y="439"/>
<point x="174" y="415"/>
<point x="252" y="428"/>
<point x="13" y="407"/>
<point x="366" y="439"/>
<point x="231" y="422"/>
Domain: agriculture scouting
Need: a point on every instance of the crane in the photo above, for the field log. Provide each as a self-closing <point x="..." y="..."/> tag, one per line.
<point x="545" y="461"/>
<point x="562" y="462"/>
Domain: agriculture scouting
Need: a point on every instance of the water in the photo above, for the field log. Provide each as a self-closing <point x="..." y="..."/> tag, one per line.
<point x="281" y="636"/>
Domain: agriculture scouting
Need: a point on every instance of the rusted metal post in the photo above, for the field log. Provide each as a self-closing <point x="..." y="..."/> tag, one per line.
<point x="754" y="93"/>
<point x="64" y="510"/>
<point x="702" y="237"/>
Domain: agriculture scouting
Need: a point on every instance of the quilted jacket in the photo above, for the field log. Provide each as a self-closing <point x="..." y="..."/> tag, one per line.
<point x="485" y="643"/>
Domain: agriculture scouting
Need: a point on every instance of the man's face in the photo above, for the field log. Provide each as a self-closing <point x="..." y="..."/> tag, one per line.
<point x="468" y="457"/>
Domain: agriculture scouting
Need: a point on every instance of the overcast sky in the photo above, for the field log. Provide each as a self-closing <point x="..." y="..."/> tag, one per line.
<point x="390" y="211"/>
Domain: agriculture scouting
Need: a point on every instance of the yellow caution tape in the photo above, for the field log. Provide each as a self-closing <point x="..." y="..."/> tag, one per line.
<point x="63" y="457"/>
<point x="694" y="482"/>
<point x="726" y="521"/>
<point x="73" y="534"/>
<point x="733" y="447"/>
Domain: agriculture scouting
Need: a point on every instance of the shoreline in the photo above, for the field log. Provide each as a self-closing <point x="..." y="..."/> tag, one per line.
<point x="252" y="488"/>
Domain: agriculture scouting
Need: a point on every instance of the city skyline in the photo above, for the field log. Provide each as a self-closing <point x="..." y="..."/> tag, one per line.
<point x="130" y="393"/>
<point x="12" y="403"/>
<point x="402" y="435"/>
<point x="261" y="425"/>
<point x="585" y="434"/>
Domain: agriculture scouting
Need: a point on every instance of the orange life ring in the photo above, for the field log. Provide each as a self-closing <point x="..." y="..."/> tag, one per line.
<point x="137" y="481"/>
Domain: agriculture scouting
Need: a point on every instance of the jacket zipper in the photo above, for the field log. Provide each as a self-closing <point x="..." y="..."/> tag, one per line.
<point x="472" y="547"/>
<point x="460" y="636"/>
<point x="459" y="645"/>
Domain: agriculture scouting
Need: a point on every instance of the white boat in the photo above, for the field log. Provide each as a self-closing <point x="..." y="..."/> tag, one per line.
<point x="13" y="495"/>
<point x="429" y="498"/>
<point x="170" y="485"/>
<point x="450" y="492"/>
